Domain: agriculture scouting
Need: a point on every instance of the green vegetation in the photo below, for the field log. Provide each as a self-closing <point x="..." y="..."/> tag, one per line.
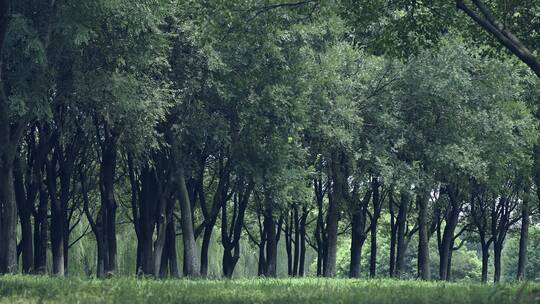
<point x="19" y="289"/>
<point x="206" y="139"/>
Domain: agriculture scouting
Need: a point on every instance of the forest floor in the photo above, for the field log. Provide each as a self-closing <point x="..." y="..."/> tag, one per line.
<point x="29" y="289"/>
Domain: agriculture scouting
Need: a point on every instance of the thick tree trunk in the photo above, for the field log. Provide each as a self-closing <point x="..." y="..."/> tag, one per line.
<point x="191" y="259"/>
<point x="401" y="229"/>
<point x="357" y="242"/>
<point x="497" y="253"/>
<point x="424" y="272"/>
<point x="271" y="242"/>
<point x="171" y="246"/>
<point x="159" y="244"/>
<point x="108" y="201"/>
<point x="331" y="241"/>
<point x="147" y="215"/>
<point x="358" y="235"/>
<point x="41" y="228"/>
<point x="523" y="240"/>
<point x="8" y="218"/>
<point x="57" y="220"/>
<point x="25" y="204"/>
<point x="207" y="237"/>
<point x="485" y="262"/>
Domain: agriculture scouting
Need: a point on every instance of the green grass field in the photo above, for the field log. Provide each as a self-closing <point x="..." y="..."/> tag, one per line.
<point x="24" y="289"/>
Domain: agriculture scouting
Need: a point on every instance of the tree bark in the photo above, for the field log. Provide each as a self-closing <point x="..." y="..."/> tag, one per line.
<point x="377" y="206"/>
<point x="452" y="218"/>
<point x="271" y="241"/>
<point x="108" y="202"/>
<point x="424" y="272"/>
<point x="191" y="260"/>
<point x="41" y="227"/>
<point x="358" y="235"/>
<point x="523" y="240"/>
<point x="401" y="230"/>
<point x="8" y="218"/>
<point x="485" y="262"/>
<point x="302" y="228"/>
<point x="393" y="238"/>
<point x="25" y="204"/>
<point x="497" y="254"/>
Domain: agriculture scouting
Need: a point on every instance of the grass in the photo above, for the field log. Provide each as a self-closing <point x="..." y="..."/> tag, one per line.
<point x="29" y="289"/>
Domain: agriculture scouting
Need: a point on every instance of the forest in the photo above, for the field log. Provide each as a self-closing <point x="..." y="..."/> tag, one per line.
<point x="284" y="144"/>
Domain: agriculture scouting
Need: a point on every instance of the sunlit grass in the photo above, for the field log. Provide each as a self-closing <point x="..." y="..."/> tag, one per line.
<point x="32" y="289"/>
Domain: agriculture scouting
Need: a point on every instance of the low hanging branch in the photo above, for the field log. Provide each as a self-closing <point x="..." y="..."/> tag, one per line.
<point x="490" y="24"/>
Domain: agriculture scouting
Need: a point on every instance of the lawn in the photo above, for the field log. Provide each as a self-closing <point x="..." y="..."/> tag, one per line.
<point x="26" y="289"/>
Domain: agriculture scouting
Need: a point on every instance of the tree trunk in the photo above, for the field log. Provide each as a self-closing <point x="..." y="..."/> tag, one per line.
<point x="401" y="229"/>
<point x="523" y="240"/>
<point x="296" y="241"/>
<point x="497" y="252"/>
<point x="190" y="250"/>
<point x="393" y="238"/>
<point x="171" y="246"/>
<point x="41" y="228"/>
<point x="302" y="229"/>
<point x="288" y="245"/>
<point x="25" y="204"/>
<point x="57" y="220"/>
<point x="424" y="272"/>
<point x="108" y="202"/>
<point x="358" y="235"/>
<point x="357" y="242"/>
<point x="331" y="241"/>
<point x="207" y="237"/>
<point x="8" y="218"/>
<point x="485" y="262"/>
<point x="271" y="242"/>
<point x="373" y="231"/>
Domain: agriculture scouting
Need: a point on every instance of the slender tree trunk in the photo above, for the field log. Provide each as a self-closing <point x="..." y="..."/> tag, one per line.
<point x="424" y="272"/>
<point x="288" y="245"/>
<point x="296" y="241"/>
<point x="261" y="263"/>
<point x="373" y="231"/>
<point x="302" y="229"/>
<point x="524" y="237"/>
<point x="393" y="238"/>
<point x="320" y="236"/>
